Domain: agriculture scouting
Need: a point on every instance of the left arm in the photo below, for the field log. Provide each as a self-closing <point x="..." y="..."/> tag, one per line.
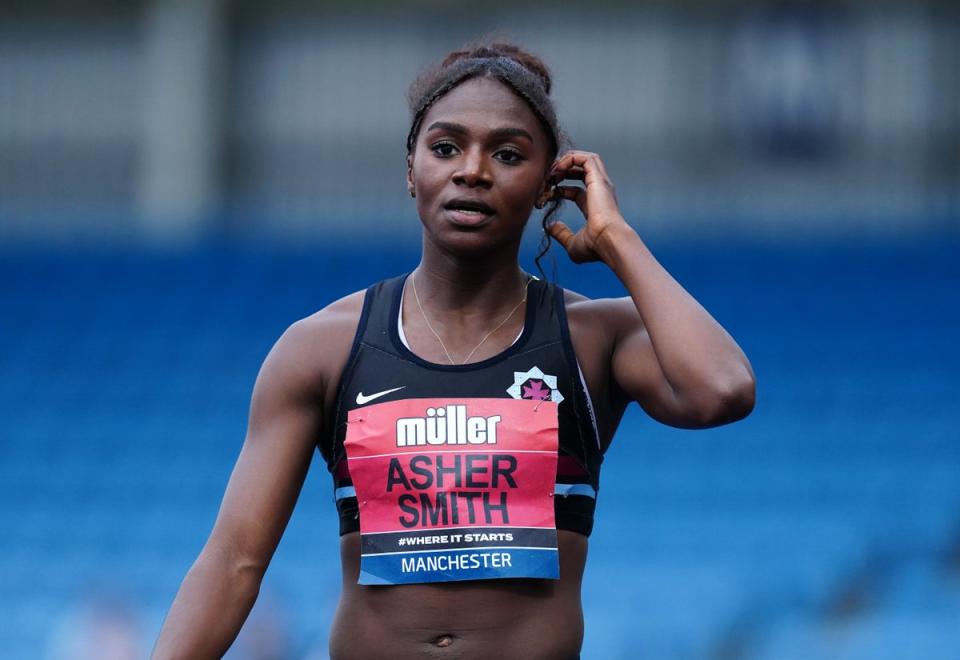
<point x="668" y="353"/>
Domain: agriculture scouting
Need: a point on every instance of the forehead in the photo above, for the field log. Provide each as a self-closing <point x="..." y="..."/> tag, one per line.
<point x="483" y="104"/>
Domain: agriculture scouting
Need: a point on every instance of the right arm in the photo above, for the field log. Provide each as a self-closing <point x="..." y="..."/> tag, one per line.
<point x="285" y="420"/>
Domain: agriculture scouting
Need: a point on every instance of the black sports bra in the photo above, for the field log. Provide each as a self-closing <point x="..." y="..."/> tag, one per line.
<point x="539" y="366"/>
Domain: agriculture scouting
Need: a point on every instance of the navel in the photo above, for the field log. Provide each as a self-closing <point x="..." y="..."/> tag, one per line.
<point x="443" y="641"/>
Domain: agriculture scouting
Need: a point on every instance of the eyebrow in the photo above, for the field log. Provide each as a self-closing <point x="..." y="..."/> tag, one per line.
<point x="507" y="131"/>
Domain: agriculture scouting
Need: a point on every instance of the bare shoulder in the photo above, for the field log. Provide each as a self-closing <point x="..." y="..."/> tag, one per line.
<point x="313" y="351"/>
<point x="599" y="315"/>
<point x="596" y="325"/>
<point x="338" y="318"/>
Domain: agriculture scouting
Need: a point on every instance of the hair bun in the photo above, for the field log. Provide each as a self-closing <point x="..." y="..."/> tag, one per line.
<point x="502" y="49"/>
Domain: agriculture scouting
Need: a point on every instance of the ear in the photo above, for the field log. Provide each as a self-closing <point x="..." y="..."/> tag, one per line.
<point x="410" y="182"/>
<point x="545" y="194"/>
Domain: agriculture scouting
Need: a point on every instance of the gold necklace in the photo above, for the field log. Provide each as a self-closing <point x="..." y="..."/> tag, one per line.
<point x="413" y="281"/>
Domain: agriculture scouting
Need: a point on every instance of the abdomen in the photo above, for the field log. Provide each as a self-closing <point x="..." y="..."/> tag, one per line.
<point x="527" y="619"/>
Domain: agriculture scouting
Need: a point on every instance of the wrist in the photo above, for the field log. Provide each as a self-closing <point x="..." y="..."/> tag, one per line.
<point x="616" y="241"/>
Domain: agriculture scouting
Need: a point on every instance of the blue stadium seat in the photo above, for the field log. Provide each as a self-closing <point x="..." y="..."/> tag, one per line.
<point x="125" y="383"/>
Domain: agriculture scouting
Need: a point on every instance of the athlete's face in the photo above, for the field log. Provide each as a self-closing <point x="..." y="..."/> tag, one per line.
<point x="478" y="166"/>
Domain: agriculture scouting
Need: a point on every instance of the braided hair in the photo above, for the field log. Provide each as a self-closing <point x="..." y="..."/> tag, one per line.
<point x="524" y="73"/>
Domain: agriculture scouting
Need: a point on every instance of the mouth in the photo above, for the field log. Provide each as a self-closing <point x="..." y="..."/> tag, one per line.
<point x="468" y="212"/>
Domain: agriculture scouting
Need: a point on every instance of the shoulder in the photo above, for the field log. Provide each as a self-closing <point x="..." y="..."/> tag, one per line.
<point x="599" y="316"/>
<point x="339" y="317"/>
<point x="312" y="352"/>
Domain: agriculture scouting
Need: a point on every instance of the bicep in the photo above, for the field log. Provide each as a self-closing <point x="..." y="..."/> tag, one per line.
<point x="285" y="416"/>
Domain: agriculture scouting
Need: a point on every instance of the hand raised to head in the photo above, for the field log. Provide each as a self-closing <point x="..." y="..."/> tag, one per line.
<point x="596" y="200"/>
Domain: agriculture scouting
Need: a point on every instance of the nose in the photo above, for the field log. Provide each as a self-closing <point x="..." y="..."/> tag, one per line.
<point x="473" y="170"/>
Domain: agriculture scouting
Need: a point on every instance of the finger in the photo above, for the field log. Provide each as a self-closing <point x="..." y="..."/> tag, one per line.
<point x="565" y="163"/>
<point x="601" y="168"/>
<point x="575" y="193"/>
<point x="562" y="234"/>
<point x="574" y="157"/>
<point x="573" y="172"/>
<point x="586" y="162"/>
<point x="597" y="173"/>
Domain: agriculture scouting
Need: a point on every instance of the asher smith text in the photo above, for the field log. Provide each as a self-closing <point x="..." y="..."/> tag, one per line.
<point x="425" y="473"/>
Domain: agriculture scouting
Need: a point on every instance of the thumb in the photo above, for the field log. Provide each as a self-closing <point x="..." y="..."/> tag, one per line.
<point x="562" y="234"/>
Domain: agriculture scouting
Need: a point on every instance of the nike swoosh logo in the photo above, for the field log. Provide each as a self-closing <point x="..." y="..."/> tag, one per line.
<point x="362" y="399"/>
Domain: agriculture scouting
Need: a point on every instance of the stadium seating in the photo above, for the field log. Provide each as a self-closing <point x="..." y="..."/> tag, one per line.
<point x="820" y="527"/>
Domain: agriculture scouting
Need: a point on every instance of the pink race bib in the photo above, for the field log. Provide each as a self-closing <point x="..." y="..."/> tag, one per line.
<point x="455" y="489"/>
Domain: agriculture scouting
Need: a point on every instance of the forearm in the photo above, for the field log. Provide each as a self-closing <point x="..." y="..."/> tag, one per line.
<point x="699" y="359"/>
<point x="213" y="602"/>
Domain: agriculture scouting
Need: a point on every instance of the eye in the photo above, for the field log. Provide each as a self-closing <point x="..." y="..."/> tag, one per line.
<point x="510" y="156"/>
<point x="443" y="149"/>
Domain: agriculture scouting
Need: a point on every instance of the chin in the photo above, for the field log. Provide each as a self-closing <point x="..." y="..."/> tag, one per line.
<point x="471" y="243"/>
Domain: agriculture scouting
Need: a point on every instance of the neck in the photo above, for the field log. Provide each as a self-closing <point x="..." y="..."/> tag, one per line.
<point x="459" y="286"/>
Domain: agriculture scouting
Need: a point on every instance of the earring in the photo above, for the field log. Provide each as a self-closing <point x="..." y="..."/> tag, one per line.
<point x="412" y="192"/>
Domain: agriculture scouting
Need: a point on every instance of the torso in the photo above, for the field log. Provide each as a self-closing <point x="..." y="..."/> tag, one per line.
<point x="516" y="618"/>
<point x="528" y="619"/>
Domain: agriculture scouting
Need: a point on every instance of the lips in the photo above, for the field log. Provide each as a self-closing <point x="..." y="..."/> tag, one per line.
<point x="468" y="212"/>
<point x="467" y="204"/>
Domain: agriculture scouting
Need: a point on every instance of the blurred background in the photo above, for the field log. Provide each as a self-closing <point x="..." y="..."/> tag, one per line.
<point x="182" y="179"/>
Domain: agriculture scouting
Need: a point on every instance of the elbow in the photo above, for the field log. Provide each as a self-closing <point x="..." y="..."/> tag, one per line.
<point x="235" y="563"/>
<point x="248" y="570"/>
<point x="743" y="398"/>
<point x="730" y="399"/>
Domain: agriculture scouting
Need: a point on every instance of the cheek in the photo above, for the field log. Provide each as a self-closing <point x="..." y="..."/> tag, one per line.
<point x="524" y="190"/>
<point x="427" y="181"/>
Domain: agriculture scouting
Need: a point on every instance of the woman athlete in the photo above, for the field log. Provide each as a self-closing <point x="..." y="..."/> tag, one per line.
<point x="456" y="405"/>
